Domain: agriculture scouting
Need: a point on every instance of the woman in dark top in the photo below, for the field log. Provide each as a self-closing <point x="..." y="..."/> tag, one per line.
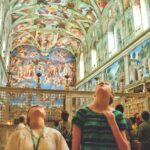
<point x="98" y="126"/>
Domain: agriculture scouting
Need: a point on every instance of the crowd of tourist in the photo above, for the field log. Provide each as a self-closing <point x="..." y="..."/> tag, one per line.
<point x="138" y="130"/>
<point x="97" y="126"/>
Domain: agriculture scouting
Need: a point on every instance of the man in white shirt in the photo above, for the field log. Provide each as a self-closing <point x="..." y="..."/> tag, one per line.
<point x="36" y="136"/>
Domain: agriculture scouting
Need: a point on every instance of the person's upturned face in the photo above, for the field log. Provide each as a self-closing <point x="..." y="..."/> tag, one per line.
<point x="36" y="112"/>
<point x="103" y="90"/>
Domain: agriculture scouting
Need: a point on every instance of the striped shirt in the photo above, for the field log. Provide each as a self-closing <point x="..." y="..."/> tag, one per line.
<point x="96" y="134"/>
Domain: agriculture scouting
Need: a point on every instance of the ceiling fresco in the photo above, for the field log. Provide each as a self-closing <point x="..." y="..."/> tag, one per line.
<point x="48" y="24"/>
<point x="43" y="30"/>
<point x="54" y="23"/>
<point x="27" y="61"/>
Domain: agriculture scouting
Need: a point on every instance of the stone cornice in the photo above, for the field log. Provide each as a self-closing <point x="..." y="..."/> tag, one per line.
<point x="76" y="94"/>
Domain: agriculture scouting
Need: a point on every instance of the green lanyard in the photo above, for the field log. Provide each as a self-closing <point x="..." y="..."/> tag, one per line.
<point x="39" y="138"/>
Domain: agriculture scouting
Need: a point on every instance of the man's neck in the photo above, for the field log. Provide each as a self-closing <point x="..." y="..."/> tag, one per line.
<point x="36" y="128"/>
<point x="37" y="124"/>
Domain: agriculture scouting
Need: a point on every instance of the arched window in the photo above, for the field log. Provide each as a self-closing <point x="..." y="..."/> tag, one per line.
<point x="144" y="13"/>
<point x="93" y="58"/>
<point x="114" y="38"/>
<point x="140" y="14"/>
<point x="112" y="41"/>
<point x="81" y="66"/>
<point x="1" y="17"/>
<point x="117" y="38"/>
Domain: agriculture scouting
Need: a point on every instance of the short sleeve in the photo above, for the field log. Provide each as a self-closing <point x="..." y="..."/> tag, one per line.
<point x="79" y="118"/>
<point x="121" y="121"/>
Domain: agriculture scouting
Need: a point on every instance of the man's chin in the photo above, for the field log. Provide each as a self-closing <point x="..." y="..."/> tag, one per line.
<point x="38" y="113"/>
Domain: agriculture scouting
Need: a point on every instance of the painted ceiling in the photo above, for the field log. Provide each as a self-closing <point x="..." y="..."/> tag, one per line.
<point x="53" y="23"/>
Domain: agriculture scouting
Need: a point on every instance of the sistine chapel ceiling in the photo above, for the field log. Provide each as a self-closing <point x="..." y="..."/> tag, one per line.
<point x="53" y="23"/>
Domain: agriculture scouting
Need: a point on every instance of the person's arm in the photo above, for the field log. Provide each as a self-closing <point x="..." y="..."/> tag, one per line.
<point x="78" y="125"/>
<point x="76" y="137"/>
<point x="120" y="136"/>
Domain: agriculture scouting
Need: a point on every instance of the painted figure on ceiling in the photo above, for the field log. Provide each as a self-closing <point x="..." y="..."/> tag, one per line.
<point x="52" y="68"/>
<point x="126" y="4"/>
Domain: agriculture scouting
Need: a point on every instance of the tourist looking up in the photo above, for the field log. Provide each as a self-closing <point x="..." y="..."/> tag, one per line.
<point x="97" y="126"/>
<point x="36" y="136"/>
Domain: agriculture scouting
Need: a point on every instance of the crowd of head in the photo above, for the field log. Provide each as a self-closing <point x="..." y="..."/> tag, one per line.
<point x="138" y="129"/>
<point x="97" y="126"/>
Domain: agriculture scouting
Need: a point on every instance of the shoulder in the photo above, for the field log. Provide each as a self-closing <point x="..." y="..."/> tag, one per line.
<point x="120" y="119"/>
<point x="20" y="134"/>
<point x="15" y="139"/>
<point x="82" y="111"/>
<point x="80" y="117"/>
<point x="53" y="135"/>
<point x="143" y="124"/>
<point x="52" y="131"/>
<point x="117" y="113"/>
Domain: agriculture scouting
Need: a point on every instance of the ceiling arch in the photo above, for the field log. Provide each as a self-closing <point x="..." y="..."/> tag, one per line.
<point x="52" y="23"/>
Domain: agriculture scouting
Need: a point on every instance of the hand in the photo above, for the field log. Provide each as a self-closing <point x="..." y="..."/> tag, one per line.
<point x="109" y="116"/>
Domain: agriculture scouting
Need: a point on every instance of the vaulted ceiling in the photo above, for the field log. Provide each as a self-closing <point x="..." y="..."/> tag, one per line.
<point x="47" y="24"/>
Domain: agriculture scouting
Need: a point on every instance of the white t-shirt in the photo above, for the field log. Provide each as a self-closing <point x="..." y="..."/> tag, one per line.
<point x="50" y="140"/>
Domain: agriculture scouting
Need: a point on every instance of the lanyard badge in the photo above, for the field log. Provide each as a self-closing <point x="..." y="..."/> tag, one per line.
<point x="39" y="138"/>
